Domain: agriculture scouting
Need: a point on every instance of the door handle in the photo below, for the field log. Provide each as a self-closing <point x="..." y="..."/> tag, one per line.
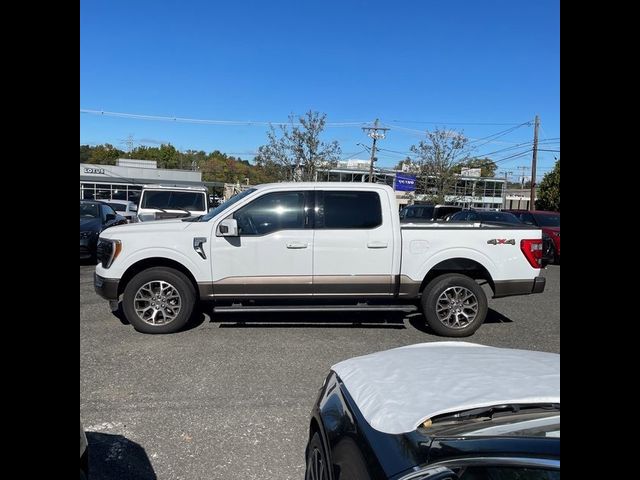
<point x="295" y="245"/>
<point x="377" y="245"/>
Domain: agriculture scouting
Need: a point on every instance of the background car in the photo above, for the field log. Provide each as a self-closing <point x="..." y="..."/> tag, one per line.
<point x="485" y="216"/>
<point x="95" y="216"/>
<point x="505" y="218"/>
<point x="549" y="222"/>
<point x="126" y="208"/>
<point x="438" y="410"/>
<point x="426" y="213"/>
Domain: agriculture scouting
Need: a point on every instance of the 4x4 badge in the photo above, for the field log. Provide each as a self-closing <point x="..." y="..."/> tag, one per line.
<point x="501" y="241"/>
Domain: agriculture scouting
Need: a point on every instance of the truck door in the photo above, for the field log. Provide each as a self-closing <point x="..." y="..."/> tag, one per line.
<point x="353" y="244"/>
<point x="272" y="256"/>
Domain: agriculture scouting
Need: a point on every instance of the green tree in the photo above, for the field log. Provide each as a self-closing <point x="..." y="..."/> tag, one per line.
<point x="85" y="153"/>
<point x="298" y="153"/>
<point x="548" y="193"/>
<point x="105" y="154"/>
<point x="437" y="160"/>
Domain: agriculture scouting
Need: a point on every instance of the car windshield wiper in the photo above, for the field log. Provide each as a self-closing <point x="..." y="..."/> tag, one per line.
<point x="494" y="409"/>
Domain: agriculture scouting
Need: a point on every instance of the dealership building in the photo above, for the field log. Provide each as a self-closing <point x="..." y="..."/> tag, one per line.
<point x="469" y="190"/>
<point x="124" y="180"/>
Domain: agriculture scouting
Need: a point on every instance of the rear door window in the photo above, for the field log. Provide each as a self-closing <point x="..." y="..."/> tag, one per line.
<point x="349" y="210"/>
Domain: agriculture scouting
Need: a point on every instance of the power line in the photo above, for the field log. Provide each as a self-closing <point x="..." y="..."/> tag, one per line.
<point x="207" y="121"/>
<point x="452" y="123"/>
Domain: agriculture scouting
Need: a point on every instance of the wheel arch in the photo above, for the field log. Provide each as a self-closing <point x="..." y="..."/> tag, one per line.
<point x="147" y="263"/>
<point x="461" y="265"/>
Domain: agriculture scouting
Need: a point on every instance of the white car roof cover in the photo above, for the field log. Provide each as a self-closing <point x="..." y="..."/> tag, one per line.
<point x="396" y="390"/>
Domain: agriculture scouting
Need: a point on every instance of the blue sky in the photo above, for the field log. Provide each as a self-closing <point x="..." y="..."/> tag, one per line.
<point x="416" y="65"/>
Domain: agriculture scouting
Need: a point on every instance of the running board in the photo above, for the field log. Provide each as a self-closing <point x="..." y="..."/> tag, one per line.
<point x="316" y="308"/>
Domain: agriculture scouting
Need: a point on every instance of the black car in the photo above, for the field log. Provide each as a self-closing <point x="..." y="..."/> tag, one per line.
<point x="438" y="410"/>
<point x="95" y="216"/>
<point x="426" y="213"/>
<point x="485" y="216"/>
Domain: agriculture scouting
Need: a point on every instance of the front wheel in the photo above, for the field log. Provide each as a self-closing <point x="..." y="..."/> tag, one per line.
<point x="159" y="300"/>
<point x="454" y="305"/>
<point x="317" y="467"/>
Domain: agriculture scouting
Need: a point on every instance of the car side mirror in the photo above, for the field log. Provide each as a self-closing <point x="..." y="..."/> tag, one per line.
<point x="228" y="228"/>
<point x="110" y="217"/>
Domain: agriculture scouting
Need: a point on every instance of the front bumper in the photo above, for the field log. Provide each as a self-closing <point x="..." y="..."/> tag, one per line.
<point x="107" y="288"/>
<point x="508" y="288"/>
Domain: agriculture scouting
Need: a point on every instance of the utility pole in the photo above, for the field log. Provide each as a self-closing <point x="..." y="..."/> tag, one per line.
<point x="373" y="133"/>
<point x="523" y="168"/>
<point x="534" y="159"/>
<point x="504" y="189"/>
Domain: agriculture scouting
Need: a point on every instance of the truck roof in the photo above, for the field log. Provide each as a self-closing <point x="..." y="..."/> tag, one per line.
<point x="343" y="185"/>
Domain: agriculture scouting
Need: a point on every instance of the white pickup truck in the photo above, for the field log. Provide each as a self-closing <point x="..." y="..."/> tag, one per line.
<point x="309" y="247"/>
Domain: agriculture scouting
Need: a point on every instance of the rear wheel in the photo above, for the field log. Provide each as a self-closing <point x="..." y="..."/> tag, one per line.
<point x="159" y="300"/>
<point x="317" y="467"/>
<point x="454" y="305"/>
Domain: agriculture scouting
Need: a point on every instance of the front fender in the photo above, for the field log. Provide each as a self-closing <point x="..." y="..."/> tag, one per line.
<point x="199" y="268"/>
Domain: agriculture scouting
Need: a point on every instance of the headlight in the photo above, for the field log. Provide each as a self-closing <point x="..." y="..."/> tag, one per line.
<point x="107" y="251"/>
<point x="87" y="234"/>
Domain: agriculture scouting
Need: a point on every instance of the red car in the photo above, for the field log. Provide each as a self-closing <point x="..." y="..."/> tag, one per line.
<point x="549" y="222"/>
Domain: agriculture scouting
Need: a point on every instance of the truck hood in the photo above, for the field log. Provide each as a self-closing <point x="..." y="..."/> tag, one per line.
<point x="154" y="227"/>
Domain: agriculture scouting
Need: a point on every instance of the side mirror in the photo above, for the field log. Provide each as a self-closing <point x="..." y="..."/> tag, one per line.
<point x="228" y="228"/>
<point x="110" y="217"/>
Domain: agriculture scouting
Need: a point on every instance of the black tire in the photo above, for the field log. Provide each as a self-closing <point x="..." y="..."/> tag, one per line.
<point x="317" y="465"/>
<point x="449" y="300"/>
<point x="170" y="317"/>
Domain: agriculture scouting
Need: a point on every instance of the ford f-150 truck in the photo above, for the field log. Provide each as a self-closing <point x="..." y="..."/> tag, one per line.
<point x="309" y="247"/>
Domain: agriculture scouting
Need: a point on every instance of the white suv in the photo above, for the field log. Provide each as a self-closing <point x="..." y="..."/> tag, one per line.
<point x="158" y="202"/>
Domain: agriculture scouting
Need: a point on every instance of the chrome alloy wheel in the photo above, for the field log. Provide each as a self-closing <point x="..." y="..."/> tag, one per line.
<point x="316" y="468"/>
<point x="457" y="307"/>
<point x="157" y="302"/>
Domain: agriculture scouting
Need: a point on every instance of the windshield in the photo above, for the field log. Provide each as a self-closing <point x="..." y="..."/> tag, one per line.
<point x="547" y="220"/>
<point x="118" y="207"/>
<point x="223" y="206"/>
<point x="167" y="199"/>
<point x="89" y="210"/>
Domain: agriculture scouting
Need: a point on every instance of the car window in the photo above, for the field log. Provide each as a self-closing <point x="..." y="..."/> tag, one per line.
<point x="350" y="210"/>
<point x="106" y="210"/>
<point x="548" y="220"/>
<point x="118" y="207"/>
<point x="501" y="217"/>
<point x="526" y="217"/>
<point x="270" y="213"/>
<point x="443" y="212"/>
<point x="420" y="212"/>
<point x="167" y="200"/>
<point x="89" y="210"/>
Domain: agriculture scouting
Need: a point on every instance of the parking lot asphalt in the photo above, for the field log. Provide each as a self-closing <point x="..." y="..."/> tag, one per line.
<point x="230" y="398"/>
